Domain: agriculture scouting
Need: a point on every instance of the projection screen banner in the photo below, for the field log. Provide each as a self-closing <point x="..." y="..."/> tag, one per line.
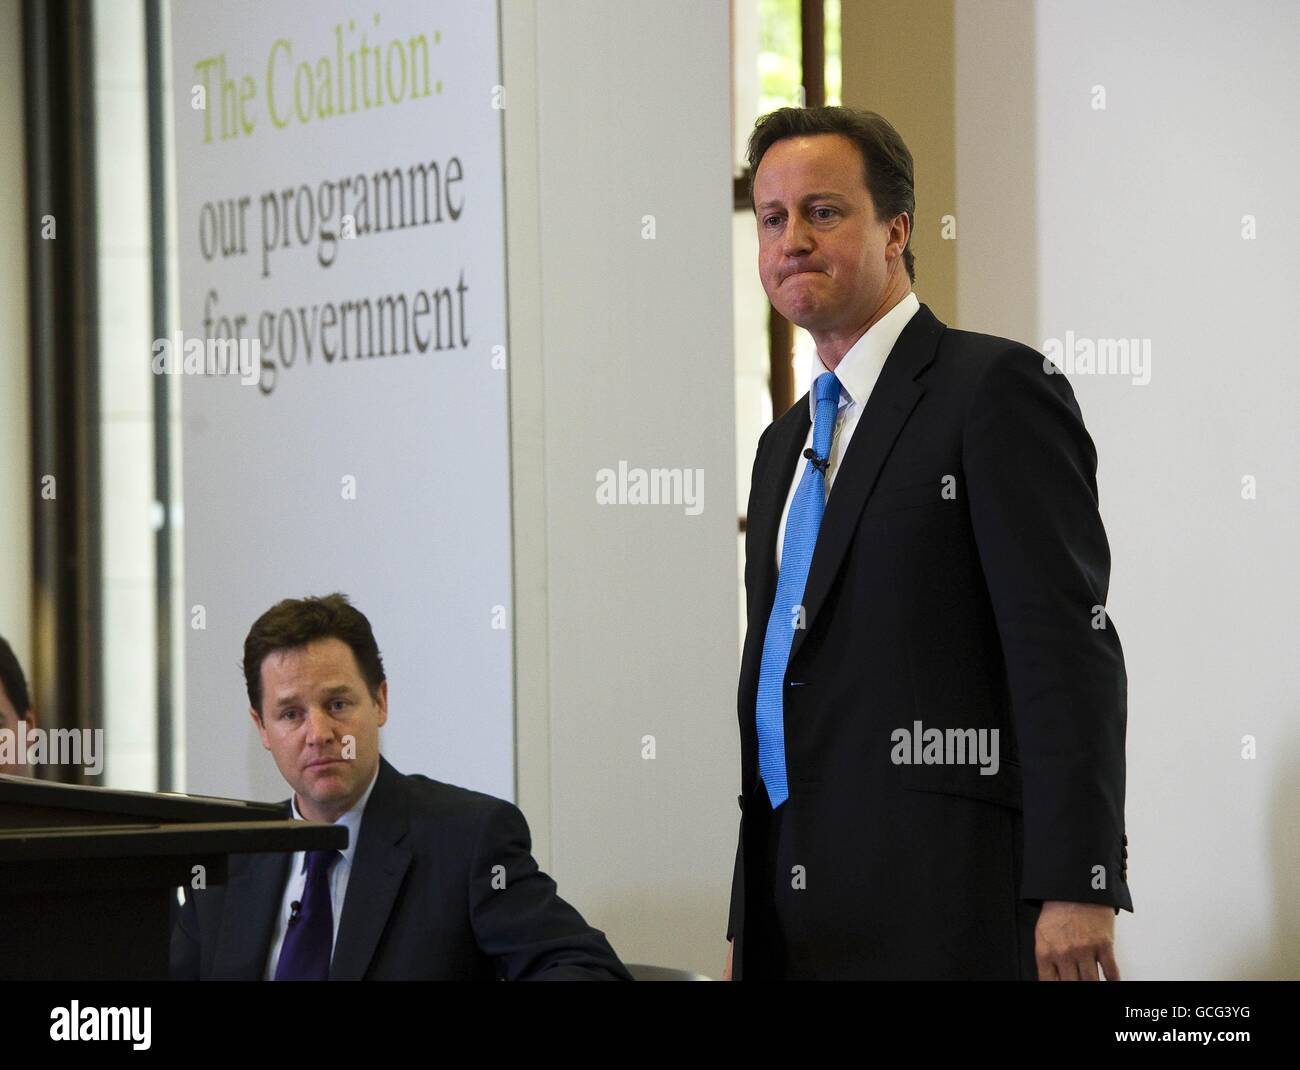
<point x="342" y="353"/>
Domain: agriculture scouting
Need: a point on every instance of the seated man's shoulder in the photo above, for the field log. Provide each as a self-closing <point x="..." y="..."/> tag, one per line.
<point x="450" y="808"/>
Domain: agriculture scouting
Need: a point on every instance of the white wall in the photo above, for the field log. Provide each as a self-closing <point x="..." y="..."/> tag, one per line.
<point x="1139" y="235"/>
<point x="621" y="349"/>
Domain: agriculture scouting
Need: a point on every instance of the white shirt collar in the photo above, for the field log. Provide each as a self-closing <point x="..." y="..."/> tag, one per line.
<point x="351" y="819"/>
<point x="860" y="368"/>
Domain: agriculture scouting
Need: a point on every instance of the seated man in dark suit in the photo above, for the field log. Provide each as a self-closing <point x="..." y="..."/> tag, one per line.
<point x="437" y="882"/>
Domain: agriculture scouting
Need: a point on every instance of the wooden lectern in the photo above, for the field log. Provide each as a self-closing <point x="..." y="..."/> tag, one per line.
<point x="90" y="875"/>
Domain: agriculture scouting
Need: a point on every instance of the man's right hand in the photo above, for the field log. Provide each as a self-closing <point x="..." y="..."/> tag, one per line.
<point x="726" y="970"/>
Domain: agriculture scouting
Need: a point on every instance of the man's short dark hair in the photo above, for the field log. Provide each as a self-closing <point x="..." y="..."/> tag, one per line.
<point x="886" y="161"/>
<point x="15" y="683"/>
<point x="295" y="622"/>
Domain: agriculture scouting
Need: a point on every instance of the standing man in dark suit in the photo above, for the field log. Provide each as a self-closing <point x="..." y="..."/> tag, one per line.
<point x="926" y="574"/>
<point x="437" y="882"/>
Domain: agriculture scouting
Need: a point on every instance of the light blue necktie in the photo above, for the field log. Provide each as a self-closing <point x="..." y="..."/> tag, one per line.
<point x="801" y="528"/>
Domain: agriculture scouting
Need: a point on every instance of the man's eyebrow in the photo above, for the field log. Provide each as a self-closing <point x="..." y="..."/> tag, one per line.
<point x="825" y="195"/>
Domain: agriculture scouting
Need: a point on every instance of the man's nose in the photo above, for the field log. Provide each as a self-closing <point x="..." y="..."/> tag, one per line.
<point x="797" y="238"/>
<point x="320" y="729"/>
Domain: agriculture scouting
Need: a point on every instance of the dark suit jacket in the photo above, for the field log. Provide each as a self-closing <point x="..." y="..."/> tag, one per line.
<point x="970" y="612"/>
<point x="420" y="901"/>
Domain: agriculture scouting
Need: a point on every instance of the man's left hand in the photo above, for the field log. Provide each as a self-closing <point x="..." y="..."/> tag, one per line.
<point x="1072" y="938"/>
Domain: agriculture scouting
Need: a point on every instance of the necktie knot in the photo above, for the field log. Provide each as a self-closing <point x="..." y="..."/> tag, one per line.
<point x="318" y="862"/>
<point x="827" y="387"/>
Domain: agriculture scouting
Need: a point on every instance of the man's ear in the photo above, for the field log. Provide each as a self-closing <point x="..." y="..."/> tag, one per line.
<point x="381" y="699"/>
<point x="261" y="728"/>
<point x="900" y="229"/>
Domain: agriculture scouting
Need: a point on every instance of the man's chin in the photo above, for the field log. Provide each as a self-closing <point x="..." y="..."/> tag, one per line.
<point x="326" y="781"/>
<point x="806" y="318"/>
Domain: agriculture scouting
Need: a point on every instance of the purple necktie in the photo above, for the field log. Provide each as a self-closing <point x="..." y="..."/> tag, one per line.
<point x="309" y="939"/>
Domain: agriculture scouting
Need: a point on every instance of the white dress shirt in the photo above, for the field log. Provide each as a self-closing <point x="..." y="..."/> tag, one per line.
<point x="339" y="873"/>
<point x="857" y="373"/>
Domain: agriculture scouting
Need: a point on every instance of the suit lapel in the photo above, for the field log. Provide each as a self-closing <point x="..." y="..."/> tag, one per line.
<point x="790" y="433"/>
<point x="254" y="889"/>
<point x="378" y="866"/>
<point x="892" y="400"/>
